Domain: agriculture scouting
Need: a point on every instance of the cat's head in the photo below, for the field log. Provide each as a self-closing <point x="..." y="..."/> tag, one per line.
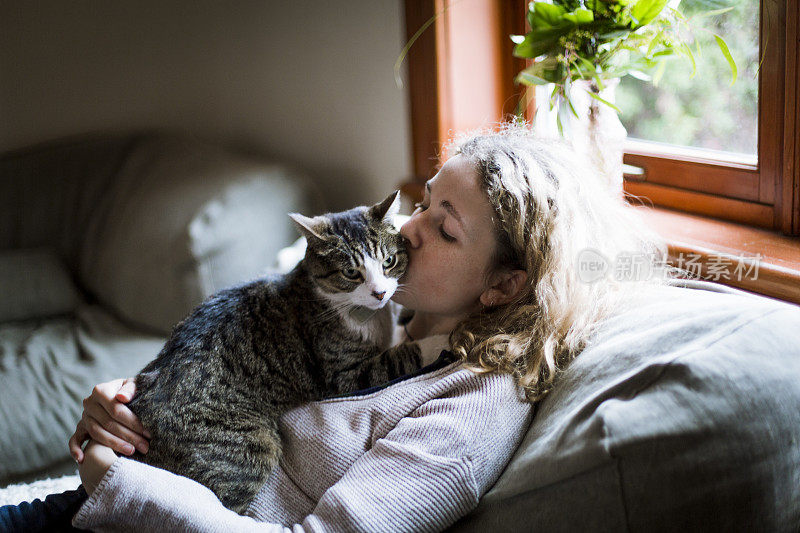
<point x="355" y="257"/>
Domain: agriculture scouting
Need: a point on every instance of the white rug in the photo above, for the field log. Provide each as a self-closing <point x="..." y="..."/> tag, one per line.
<point x="25" y="492"/>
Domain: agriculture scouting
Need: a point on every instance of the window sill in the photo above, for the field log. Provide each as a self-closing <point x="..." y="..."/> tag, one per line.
<point x="712" y="248"/>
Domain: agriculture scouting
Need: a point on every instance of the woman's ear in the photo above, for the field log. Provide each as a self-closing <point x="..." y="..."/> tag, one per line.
<point x="504" y="287"/>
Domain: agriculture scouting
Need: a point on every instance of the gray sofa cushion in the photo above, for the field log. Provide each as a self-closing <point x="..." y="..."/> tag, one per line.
<point x="46" y="368"/>
<point x="683" y="413"/>
<point x="181" y="221"/>
<point x="34" y="282"/>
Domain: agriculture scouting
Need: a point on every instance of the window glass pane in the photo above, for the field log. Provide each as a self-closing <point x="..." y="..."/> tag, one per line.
<point x="705" y="111"/>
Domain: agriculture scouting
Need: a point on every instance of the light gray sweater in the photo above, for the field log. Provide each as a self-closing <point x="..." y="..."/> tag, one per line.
<point x="415" y="455"/>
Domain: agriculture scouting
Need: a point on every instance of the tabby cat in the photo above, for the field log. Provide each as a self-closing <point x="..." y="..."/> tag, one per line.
<point x="213" y="396"/>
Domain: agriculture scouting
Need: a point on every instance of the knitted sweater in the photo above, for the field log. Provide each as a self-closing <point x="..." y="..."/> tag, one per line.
<point x="413" y="455"/>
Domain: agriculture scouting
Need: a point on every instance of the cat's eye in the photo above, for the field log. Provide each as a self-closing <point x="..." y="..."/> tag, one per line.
<point x="351" y="273"/>
<point x="390" y="261"/>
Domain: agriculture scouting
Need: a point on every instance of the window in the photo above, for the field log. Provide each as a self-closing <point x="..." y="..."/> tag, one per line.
<point x="755" y="190"/>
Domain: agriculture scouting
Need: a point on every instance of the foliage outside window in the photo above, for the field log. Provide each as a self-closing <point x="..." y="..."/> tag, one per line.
<point x="703" y="111"/>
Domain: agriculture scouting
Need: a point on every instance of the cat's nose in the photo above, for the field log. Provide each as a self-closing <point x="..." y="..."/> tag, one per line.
<point x="378" y="295"/>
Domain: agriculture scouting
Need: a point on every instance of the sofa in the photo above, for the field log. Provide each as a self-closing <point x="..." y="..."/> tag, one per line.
<point x="106" y="241"/>
<point x="682" y="413"/>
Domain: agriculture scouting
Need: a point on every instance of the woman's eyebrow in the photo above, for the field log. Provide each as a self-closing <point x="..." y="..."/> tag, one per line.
<point x="452" y="210"/>
<point x="449" y="208"/>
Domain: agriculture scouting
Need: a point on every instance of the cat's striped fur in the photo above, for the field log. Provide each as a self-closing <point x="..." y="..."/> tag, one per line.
<point x="213" y="396"/>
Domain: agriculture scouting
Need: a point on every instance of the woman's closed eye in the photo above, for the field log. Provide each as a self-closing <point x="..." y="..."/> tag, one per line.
<point x="446" y="236"/>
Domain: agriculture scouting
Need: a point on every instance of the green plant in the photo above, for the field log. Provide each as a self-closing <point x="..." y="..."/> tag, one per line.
<point x="599" y="40"/>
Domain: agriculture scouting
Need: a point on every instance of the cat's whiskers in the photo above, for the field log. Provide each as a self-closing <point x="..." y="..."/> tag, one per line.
<point x="403" y="289"/>
<point x="332" y="311"/>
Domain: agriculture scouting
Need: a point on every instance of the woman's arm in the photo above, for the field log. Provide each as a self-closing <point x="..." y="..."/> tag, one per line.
<point x="391" y="488"/>
<point x="133" y="496"/>
<point x="425" y="474"/>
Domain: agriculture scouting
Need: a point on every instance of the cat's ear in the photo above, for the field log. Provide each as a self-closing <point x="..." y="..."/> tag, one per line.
<point x="309" y="227"/>
<point x="387" y="209"/>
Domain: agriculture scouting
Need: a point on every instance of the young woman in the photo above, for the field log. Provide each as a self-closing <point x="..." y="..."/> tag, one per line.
<point x="493" y="280"/>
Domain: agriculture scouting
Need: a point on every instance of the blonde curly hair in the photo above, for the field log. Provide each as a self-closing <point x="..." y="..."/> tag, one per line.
<point x="550" y="207"/>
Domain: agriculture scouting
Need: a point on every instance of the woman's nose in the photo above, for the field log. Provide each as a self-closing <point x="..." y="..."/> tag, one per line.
<point x="410" y="233"/>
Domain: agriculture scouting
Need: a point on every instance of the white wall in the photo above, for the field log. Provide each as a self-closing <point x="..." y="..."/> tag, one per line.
<point x="309" y="82"/>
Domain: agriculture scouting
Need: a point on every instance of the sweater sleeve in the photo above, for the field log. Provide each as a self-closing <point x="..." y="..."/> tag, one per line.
<point x="136" y="497"/>
<point x="423" y="475"/>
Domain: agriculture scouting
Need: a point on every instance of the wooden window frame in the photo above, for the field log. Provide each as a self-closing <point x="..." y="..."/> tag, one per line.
<point x="440" y="67"/>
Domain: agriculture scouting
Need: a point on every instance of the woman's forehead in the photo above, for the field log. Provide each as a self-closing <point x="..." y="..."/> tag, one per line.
<point x="457" y="174"/>
<point x="458" y="182"/>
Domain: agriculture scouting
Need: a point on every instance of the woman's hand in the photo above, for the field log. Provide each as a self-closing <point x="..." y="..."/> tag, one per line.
<point x="97" y="460"/>
<point x="108" y="421"/>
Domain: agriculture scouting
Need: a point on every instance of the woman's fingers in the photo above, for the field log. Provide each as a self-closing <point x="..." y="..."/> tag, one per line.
<point x="95" y="416"/>
<point x="108" y="421"/>
<point x="98" y="433"/>
<point x="76" y="440"/>
<point x="105" y="395"/>
<point x="127" y="391"/>
<point x="106" y="391"/>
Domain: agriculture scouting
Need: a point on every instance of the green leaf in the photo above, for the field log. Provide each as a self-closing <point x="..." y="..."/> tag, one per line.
<point x="688" y="53"/>
<point x="644" y="11"/>
<point x="580" y="16"/>
<point x="609" y="104"/>
<point x="659" y="72"/>
<point x="639" y="75"/>
<point x="677" y="14"/>
<point x="611" y="35"/>
<point x="527" y="78"/>
<point x="539" y="42"/>
<point x="572" y="108"/>
<point x="654" y="42"/>
<point x="665" y="52"/>
<point x="727" y="53"/>
<point x="563" y="119"/>
<point x="547" y="16"/>
<point x="600" y="83"/>
<point x="578" y="68"/>
<point x="541" y="73"/>
<point x="586" y="69"/>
